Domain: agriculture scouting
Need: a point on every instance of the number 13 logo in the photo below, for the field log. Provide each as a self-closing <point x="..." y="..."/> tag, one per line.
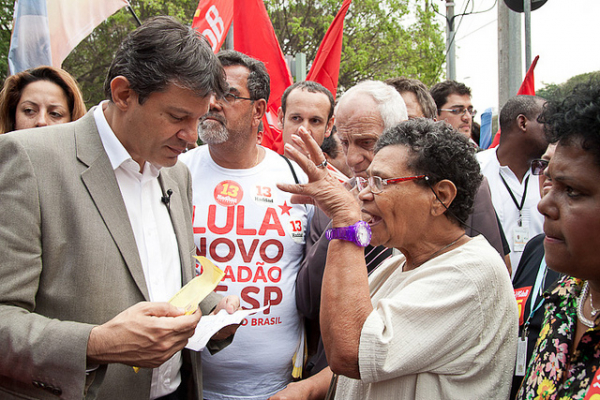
<point x="296" y="225"/>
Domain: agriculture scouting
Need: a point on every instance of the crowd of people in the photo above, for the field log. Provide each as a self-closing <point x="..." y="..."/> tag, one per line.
<point x="394" y="258"/>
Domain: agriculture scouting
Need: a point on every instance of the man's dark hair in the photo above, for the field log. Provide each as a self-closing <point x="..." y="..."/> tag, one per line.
<point x="575" y="121"/>
<point x="441" y="91"/>
<point x="440" y="152"/>
<point x="476" y="132"/>
<point x="312" y="87"/>
<point x="330" y="146"/>
<point x="259" y="82"/>
<point x="529" y="106"/>
<point x="161" y="52"/>
<point x="402" y="84"/>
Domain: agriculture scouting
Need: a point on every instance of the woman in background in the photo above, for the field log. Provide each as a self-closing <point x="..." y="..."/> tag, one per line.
<point x="532" y="279"/>
<point x="38" y="97"/>
<point x="566" y="359"/>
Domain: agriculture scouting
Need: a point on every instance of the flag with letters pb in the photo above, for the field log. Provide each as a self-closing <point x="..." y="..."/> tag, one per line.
<point x="213" y="19"/>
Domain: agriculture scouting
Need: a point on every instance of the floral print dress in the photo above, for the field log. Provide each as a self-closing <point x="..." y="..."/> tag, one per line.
<point x="553" y="373"/>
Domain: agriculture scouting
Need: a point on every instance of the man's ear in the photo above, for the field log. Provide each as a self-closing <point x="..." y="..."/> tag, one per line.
<point x="330" y="124"/>
<point x="446" y="192"/>
<point x="280" y="118"/>
<point x="122" y="93"/>
<point x="522" y="122"/>
<point x="260" y="107"/>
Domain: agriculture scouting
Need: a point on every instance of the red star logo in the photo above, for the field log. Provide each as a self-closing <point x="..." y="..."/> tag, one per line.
<point x="285" y="209"/>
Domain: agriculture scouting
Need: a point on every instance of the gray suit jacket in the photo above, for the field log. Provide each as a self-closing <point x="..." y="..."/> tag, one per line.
<point x="69" y="261"/>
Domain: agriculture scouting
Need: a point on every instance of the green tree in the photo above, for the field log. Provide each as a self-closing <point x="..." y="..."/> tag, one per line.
<point x="382" y="38"/>
<point x="90" y="60"/>
<point x="557" y="92"/>
<point x="6" y="15"/>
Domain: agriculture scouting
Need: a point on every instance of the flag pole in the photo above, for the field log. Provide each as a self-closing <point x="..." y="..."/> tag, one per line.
<point x="137" y="20"/>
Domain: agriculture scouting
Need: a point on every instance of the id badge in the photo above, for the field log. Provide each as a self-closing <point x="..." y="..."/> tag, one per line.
<point x="520" y="238"/>
<point x="521" y="365"/>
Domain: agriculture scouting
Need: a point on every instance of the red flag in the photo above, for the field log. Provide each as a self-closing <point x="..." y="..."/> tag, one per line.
<point x="527" y="87"/>
<point x="326" y="67"/>
<point x="213" y="19"/>
<point x="254" y="35"/>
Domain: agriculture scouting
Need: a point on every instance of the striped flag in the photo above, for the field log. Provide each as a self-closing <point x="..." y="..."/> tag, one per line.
<point x="45" y="31"/>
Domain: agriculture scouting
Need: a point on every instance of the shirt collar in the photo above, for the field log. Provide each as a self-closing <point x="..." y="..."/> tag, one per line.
<point x="117" y="154"/>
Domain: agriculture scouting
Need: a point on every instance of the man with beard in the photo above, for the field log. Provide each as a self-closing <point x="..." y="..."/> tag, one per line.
<point x="250" y="229"/>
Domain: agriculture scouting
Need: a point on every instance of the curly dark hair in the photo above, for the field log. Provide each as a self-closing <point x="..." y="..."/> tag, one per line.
<point x="576" y="119"/>
<point x="439" y="152"/>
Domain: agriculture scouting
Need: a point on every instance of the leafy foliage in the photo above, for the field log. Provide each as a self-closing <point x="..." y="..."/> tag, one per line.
<point x="90" y="60"/>
<point x="557" y="92"/>
<point x="382" y="38"/>
<point x="6" y="16"/>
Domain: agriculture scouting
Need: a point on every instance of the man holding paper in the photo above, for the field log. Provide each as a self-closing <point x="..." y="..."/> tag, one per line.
<point x="96" y="236"/>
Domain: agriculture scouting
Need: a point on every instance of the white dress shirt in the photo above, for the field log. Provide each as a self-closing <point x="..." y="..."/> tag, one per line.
<point x="154" y="236"/>
<point x="507" y="211"/>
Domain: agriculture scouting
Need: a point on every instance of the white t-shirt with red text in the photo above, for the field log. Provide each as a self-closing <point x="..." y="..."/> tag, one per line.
<point x="250" y="229"/>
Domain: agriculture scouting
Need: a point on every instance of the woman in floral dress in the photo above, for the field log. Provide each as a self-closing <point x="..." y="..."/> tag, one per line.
<point x="566" y="360"/>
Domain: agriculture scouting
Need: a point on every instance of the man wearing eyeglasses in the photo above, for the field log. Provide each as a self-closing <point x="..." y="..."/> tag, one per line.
<point x="453" y="101"/>
<point x="251" y="230"/>
<point x="515" y="193"/>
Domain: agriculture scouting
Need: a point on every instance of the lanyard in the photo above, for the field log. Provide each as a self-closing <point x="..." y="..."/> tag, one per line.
<point x="537" y="291"/>
<point x="512" y="196"/>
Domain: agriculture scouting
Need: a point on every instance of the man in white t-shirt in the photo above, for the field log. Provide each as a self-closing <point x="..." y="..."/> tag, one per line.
<point x="251" y="230"/>
<point x="507" y="168"/>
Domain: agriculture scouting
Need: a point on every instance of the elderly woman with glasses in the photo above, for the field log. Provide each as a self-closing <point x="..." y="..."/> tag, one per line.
<point x="566" y="359"/>
<point x="437" y="321"/>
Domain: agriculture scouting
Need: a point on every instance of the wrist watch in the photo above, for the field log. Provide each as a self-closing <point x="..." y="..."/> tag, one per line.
<point x="359" y="233"/>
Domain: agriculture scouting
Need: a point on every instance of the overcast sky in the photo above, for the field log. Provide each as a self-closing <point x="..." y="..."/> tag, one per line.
<point x="565" y="35"/>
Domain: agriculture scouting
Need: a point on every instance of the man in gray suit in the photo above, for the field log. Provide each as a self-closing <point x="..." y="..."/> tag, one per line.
<point x="96" y="233"/>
